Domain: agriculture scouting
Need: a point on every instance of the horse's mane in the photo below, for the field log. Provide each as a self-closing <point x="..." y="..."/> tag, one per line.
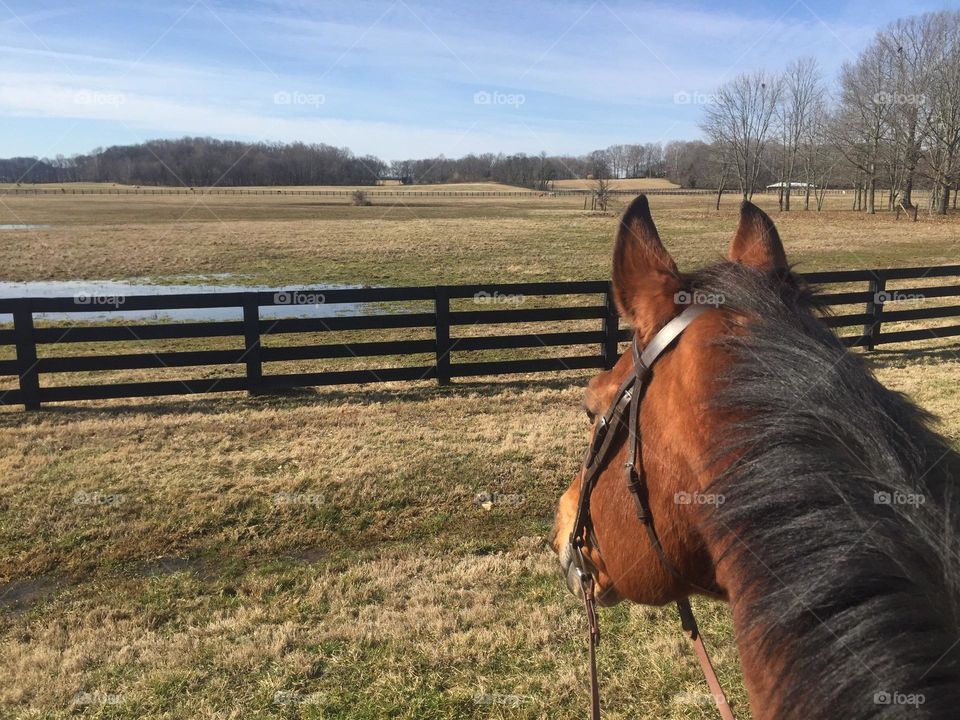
<point x="862" y="595"/>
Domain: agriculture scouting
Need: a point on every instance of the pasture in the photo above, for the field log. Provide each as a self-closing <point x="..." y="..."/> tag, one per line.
<point x="325" y="553"/>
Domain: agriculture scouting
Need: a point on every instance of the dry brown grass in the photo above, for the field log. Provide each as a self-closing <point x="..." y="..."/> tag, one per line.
<point x="617" y="184"/>
<point x="275" y="240"/>
<point x="327" y="546"/>
<point x="389" y="185"/>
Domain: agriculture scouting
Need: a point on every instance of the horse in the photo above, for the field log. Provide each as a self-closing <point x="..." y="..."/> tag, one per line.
<point x="774" y="472"/>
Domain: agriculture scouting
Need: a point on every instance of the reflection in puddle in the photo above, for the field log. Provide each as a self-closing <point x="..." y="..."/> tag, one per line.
<point x="310" y="302"/>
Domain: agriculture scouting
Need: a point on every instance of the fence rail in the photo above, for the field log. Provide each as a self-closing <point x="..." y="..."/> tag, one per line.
<point x="444" y="348"/>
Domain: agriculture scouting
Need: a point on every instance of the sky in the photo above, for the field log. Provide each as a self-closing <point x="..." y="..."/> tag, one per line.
<point x="398" y="78"/>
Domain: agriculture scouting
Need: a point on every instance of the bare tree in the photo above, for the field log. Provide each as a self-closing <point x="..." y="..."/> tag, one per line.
<point x="909" y="42"/>
<point x="944" y="120"/>
<point x="602" y="191"/>
<point x="817" y="155"/>
<point x="862" y="123"/>
<point x="802" y="90"/>
<point x="739" y="121"/>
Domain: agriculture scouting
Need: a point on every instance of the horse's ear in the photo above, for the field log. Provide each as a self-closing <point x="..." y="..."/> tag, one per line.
<point x="645" y="278"/>
<point x="757" y="242"/>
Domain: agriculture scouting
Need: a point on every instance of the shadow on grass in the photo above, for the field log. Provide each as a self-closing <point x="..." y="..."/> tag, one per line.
<point x="893" y="358"/>
<point x="494" y="386"/>
<point x="304" y="397"/>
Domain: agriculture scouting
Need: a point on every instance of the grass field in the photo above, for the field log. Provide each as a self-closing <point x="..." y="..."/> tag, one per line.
<point x="391" y="185"/>
<point x="420" y="240"/>
<point x="322" y="554"/>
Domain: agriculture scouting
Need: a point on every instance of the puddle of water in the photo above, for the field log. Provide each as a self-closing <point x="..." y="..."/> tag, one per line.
<point x="19" y="595"/>
<point x="20" y="226"/>
<point x="111" y="292"/>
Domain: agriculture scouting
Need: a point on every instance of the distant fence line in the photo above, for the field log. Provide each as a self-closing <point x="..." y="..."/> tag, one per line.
<point x="444" y="347"/>
<point x="375" y="191"/>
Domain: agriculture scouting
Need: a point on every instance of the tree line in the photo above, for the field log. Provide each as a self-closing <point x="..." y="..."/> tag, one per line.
<point x="204" y="162"/>
<point x="891" y="120"/>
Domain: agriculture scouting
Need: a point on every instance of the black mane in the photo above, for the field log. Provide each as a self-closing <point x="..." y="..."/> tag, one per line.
<point x="862" y="594"/>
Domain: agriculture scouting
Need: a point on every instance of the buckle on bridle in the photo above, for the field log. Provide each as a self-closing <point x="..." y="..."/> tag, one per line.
<point x="579" y="562"/>
<point x="587" y="587"/>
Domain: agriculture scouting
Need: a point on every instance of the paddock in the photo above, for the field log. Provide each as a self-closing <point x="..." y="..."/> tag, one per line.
<point x="358" y="550"/>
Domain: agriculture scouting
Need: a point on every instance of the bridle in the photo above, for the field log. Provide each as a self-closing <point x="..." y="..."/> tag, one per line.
<point x="624" y="411"/>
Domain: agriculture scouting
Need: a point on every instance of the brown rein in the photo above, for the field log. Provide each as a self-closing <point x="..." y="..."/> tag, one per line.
<point x="627" y="402"/>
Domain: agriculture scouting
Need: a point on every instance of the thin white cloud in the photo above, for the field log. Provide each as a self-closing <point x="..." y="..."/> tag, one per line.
<point x="398" y="79"/>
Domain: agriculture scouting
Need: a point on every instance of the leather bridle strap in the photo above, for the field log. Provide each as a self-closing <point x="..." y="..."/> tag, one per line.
<point x="590" y="605"/>
<point x="627" y="402"/>
<point x="692" y="631"/>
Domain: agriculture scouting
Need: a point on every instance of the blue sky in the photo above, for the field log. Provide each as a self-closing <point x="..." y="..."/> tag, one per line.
<point x="397" y="78"/>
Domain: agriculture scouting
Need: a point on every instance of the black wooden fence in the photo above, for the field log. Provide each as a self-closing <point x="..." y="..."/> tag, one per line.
<point x="873" y="304"/>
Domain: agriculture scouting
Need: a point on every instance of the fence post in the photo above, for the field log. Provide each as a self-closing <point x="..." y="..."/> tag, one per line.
<point x="874" y="311"/>
<point x="251" y="342"/>
<point x="26" y="355"/>
<point x="441" y="305"/>
<point x="611" y="328"/>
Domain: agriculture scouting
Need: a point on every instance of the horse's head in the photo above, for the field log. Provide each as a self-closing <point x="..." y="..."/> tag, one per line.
<point x="678" y="423"/>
